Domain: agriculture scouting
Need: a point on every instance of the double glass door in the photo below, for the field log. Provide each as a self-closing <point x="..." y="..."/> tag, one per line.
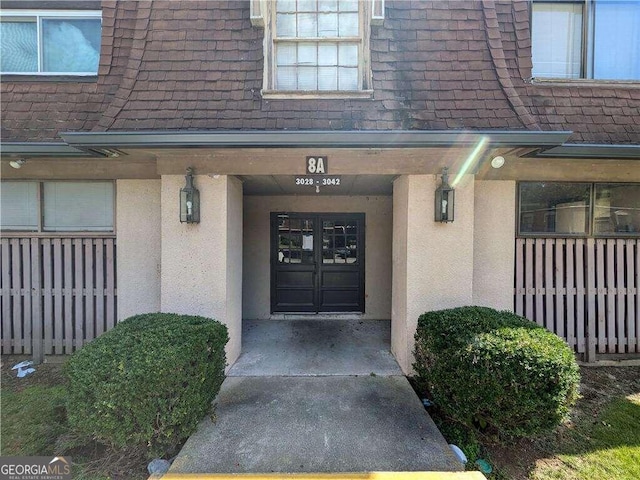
<point x="317" y="262"/>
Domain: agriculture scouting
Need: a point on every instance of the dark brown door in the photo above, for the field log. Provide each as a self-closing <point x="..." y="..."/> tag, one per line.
<point x="317" y="262"/>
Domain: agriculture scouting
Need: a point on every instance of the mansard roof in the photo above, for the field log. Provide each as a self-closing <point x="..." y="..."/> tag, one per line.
<point x="436" y="65"/>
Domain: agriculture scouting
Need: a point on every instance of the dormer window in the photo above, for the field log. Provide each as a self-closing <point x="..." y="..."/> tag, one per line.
<point x="61" y="42"/>
<point x="316" y="47"/>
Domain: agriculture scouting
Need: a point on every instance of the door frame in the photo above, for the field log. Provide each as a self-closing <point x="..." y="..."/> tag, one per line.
<point x="319" y="267"/>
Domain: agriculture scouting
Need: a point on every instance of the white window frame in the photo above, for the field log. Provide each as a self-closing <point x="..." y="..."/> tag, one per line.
<point x="41" y="231"/>
<point x="58" y="15"/>
<point x="264" y="13"/>
<point x="587" y="59"/>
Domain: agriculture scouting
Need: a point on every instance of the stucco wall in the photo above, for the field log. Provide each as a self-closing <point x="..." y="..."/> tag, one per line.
<point x="438" y="265"/>
<point x="494" y="244"/>
<point x="138" y="246"/>
<point x="378" y="233"/>
<point x="195" y="276"/>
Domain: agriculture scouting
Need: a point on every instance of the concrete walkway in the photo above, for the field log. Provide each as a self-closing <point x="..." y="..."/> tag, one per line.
<point x="331" y="421"/>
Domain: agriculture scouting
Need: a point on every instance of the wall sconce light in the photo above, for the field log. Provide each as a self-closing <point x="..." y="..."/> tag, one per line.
<point x="17" y="163"/>
<point x="189" y="200"/>
<point x="444" y="199"/>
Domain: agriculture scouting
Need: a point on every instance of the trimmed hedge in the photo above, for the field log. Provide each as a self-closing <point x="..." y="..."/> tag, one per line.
<point x="148" y="381"/>
<point x="495" y="370"/>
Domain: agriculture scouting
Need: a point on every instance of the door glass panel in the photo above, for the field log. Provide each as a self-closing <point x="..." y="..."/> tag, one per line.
<point x="339" y="242"/>
<point x="295" y="240"/>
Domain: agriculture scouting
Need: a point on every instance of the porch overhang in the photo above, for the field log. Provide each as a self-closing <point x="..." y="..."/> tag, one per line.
<point x="320" y="138"/>
<point x="578" y="150"/>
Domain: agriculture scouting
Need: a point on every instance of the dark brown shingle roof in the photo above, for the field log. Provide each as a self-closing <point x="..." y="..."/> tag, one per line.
<point x="198" y="65"/>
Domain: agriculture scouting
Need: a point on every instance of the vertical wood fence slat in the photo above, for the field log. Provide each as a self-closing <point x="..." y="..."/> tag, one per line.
<point x="637" y="320"/>
<point x="560" y="288"/>
<point x="99" y="287"/>
<point x="609" y="292"/>
<point x="539" y="296"/>
<point x="633" y="294"/>
<point x="26" y="319"/>
<point x="48" y="303"/>
<point x="36" y="303"/>
<point x="529" y="286"/>
<point x="68" y="296"/>
<point x="6" y="296"/>
<point x="111" y="283"/>
<point x="519" y="293"/>
<point x="587" y="291"/>
<point x="58" y="336"/>
<point x="621" y="292"/>
<point x="548" y="283"/>
<point x="16" y="298"/>
<point x="89" y="296"/>
<point x="570" y="246"/>
<point x="580" y="296"/>
<point x="79" y="293"/>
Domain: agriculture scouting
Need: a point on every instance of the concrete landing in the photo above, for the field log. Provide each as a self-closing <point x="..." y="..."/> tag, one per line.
<point x="315" y="347"/>
<point x="316" y="424"/>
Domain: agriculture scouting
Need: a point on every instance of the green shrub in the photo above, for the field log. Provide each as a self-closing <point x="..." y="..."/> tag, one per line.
<point x="495" y="370"/>
<point x="148" y="381"/>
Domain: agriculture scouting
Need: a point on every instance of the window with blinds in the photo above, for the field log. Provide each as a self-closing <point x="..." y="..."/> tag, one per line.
<point x="57" y="206"/>
<point x="596" y="39"/>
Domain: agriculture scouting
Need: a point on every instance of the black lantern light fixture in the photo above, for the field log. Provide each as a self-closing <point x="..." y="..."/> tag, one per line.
<point x="189" y="200"/>
<point x="444" y="199"/>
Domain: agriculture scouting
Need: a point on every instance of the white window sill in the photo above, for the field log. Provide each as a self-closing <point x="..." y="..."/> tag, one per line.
<point x="311" y="95"/>
<point x="585" y="82"/>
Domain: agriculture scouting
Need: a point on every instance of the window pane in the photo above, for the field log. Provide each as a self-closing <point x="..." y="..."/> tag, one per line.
<point x="328" y="25"/>
<point x="616" y="40"/>
<point x="328" y="54"/>
<point x="328" y="5"/>
<point x="78" y="206"/>
<point x="617" y="209"/>
<point x="286" y="25"/>
<point x="348" y="78"/>
<point x="286" y="54"/>
<point x="348" y="25"/>
<point x="307" y="54"/>
<point x="307" y="78"/>
<point x="19" y="206"/>
<point x="550" y="207"/>
<point x="71" y="45"/>
<point x="307" y="5"/>
<point x="327" y="78"/>
<point x="348" y="5"/>
<point x="286" y="6"/>
<point x="307" y="25"/>
<point x="287" y="78"/>
<point x="348" y="55"/>
<point x="556" y="39"/>
<point x="19" y="46"/>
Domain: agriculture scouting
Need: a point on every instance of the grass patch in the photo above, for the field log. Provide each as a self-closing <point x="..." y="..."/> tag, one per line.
<point x="608" y="447"/>
<point x="33" y="421"/>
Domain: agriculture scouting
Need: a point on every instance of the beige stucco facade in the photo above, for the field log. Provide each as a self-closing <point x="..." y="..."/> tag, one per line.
<point x="221" y="268"/>
<point x="494" y="247"/>
<point x="432" y="262"/>
<point x="139" y="246"/>
<point x="201" y="270"/>
<point x="378" y="231"/>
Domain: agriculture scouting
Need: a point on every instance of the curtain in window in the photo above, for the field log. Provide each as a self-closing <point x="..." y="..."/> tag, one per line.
<point x="71" y="45"/>
<point x="19" y="46"/>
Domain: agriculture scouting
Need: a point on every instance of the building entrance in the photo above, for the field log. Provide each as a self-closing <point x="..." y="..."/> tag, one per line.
<point x="317" y="262"/>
